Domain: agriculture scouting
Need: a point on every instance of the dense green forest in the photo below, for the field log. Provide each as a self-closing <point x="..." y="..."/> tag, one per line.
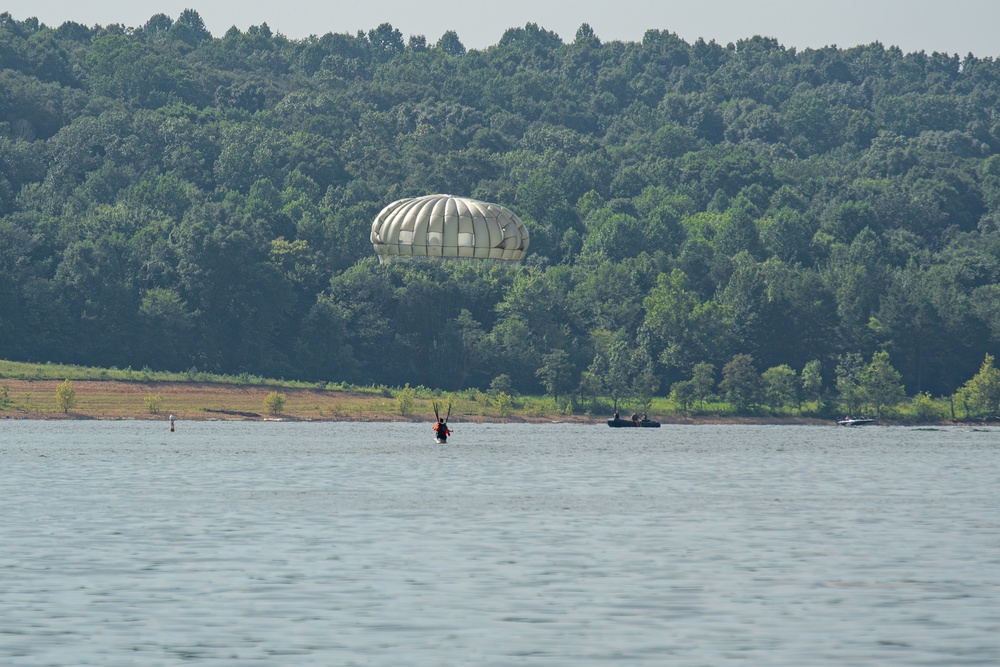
<point x="175" y="200"/>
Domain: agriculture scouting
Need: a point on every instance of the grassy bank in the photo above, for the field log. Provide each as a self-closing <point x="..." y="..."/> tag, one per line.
<point x="29" y="391"/>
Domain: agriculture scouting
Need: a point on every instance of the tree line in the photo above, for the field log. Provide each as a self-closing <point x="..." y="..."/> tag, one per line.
<point x="177" y="200"/>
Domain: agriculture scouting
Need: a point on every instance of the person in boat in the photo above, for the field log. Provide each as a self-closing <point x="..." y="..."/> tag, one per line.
<point x="441" y="430"/>
<point x="644" y="417"/>
<point x="635" y="416"/>
<point x="617" y="417"/>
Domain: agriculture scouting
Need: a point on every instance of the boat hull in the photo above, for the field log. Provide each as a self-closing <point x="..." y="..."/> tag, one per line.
<point x="628" y="423"/>
<point x="861" y="421"/>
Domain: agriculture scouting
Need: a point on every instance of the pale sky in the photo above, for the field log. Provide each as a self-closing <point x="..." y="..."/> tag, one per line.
<point x="955" y="26"/>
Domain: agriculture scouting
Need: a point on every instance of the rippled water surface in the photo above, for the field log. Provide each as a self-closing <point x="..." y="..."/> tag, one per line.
<point x="229" y="543"/>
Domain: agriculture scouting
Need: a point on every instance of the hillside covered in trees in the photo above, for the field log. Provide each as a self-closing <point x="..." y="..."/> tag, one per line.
<point x="172" y="199"/>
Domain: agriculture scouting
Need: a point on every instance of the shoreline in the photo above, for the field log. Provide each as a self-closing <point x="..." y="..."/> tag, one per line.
<point x="117" y="400"/>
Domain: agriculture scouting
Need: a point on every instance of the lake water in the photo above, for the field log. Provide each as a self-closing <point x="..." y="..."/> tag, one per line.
<point x="337" y="544"/>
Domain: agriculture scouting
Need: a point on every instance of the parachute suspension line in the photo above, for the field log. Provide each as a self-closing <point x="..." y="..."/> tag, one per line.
<point x="437" y="409"/>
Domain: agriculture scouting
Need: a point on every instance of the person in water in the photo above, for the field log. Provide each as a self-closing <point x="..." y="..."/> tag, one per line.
<point x="441" y="429"/>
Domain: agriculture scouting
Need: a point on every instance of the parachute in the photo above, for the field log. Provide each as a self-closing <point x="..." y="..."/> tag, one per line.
<point x="448" y="227"/>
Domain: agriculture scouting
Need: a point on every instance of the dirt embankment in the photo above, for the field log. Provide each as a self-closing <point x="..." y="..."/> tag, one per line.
<point x="36" y="399"/>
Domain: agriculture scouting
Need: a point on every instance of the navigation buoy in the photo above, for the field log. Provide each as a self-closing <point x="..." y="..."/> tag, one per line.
<point x="171" y="423"/>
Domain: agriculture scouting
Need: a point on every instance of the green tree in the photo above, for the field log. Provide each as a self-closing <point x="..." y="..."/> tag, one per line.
<point x="501" y="383"/>
<point x="451" y="44"/>
<point x="680" y="327"/>
<point x="65" y="396"/>
<point x="810" y="382"/>
<point x="504" y="404"/>
<point x="910" y="326"/>
<point x="645" y="383"/>
<point x="738" y="233"/>
<point x="610" y="365"/>
<point x="156" y="27"/>
<point x="417" y="43"/>
<point x="882" y="384"/>
<point x="849" y="382"/>
<point x="274" y="403"/>
<point x="746" y="300"/>
<point x="982" y="392"/>
<point x="924" y="408"/>
<point x="124" y="68"/>
<point x="166" y="325"/>
<point x="244" y="300"/>
<point x="405" y="399"/>
<point x="703" y="381"/>
<point x="555" y="373"/>
<point x="152" y="403"/>
<point x="741" y="383"/>
<point x="787" y="235"/>
<point x="779" y="386"/>
<point x="683" y="394"/>
<point x="323" y="349"/>
<point x="624" y="371"/>
<point x="190" y="28"/>
<point x="386" y="41"/>
<point x="856" y="276"/>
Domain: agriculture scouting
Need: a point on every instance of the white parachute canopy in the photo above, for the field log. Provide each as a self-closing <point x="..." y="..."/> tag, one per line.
<point x="448" y="227"/>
